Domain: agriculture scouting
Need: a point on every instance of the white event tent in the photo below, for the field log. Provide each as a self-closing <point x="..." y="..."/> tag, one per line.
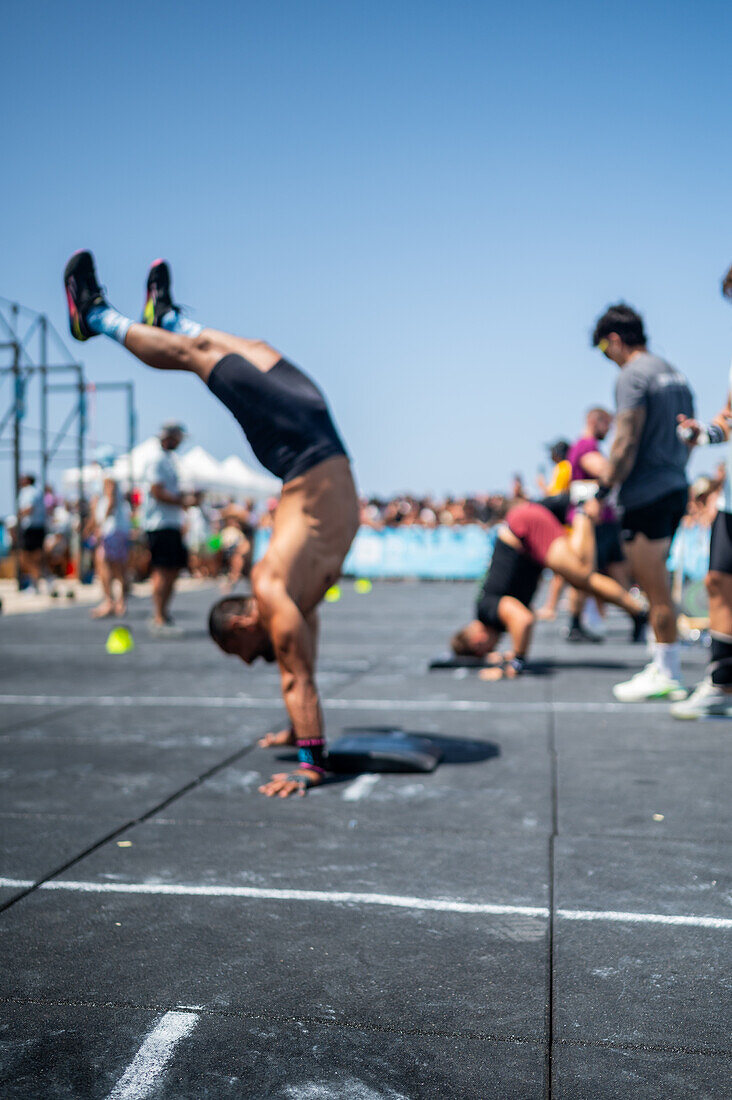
<point x="198" y="470"/>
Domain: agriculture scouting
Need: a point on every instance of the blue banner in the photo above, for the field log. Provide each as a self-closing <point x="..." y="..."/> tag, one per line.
<point x="440" y="553"/>
<point x="463" y="553"/>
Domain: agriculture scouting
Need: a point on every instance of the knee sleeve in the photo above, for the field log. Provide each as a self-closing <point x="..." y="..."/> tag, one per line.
<point x="721" y="663"/>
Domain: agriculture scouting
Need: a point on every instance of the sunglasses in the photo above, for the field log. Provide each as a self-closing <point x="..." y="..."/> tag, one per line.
<point x="603" y="345"/>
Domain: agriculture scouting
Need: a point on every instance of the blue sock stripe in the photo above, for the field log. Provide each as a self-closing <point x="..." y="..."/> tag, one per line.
<point x="106" y="321"/>
<point x="174" y="321"/>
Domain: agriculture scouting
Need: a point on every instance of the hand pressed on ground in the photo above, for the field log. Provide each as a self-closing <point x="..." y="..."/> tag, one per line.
<point x="284" y="784"/>
<point x="276" y="740"/>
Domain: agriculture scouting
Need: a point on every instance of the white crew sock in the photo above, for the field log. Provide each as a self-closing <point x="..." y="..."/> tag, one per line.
<point x="667" y="657"/>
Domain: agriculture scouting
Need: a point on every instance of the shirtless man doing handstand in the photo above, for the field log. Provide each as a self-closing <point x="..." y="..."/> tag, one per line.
<point x="286" y="420"/>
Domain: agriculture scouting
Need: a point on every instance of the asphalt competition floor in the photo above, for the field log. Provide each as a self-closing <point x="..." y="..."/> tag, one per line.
<point x="546" y="915"/>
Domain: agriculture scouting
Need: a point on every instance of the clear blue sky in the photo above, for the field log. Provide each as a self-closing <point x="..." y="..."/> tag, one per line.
<point x="423" y="204"/>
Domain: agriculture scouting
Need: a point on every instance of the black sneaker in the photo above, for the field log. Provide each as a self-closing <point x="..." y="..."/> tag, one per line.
<point x="638" y="633"/>
<point x="82" y="292"/>
<point x="158" y="301"/>
<point x="581" y="634"/>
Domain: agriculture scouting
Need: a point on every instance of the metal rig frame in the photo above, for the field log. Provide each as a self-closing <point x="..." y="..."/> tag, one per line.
<point x="20" y="330"/>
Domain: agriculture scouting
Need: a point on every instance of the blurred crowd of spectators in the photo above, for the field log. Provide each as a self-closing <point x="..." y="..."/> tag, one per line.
<point x="219" y="533"/>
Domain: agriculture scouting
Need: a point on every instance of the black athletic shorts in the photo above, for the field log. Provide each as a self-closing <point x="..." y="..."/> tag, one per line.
<point x="609" y="548"/>
<point x="656" y="520"/>
<point x="720" y="551"/>
<point x="31" y="539"/>
<point x="167" y="550"/>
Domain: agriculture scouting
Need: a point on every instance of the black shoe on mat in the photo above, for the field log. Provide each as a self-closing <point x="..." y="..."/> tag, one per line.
<point x="158" y="301"/>
<point x="82" y="292"/>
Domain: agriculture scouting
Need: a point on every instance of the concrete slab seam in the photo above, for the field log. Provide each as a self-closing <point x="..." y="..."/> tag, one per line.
<point x="281" y="1018"/>
<point x="347" y="1025"/>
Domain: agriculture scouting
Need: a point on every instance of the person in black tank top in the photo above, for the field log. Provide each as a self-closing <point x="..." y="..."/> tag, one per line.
<point x="289" y="427"/>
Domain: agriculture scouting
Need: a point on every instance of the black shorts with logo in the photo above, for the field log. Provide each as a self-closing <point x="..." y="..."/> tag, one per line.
<point x="656" y="520"/>
<point x="31" y="539"/>
<point x="167" y="550"/>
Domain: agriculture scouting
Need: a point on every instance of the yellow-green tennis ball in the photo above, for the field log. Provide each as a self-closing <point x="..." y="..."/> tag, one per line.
<point x="119" y="641"/>
<point x="363" y="586"/>
<point x="333" y="594"/>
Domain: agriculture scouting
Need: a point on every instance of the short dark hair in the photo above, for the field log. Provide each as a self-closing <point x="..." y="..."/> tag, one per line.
<point x="461" y="644"/>
<point x="727" y="284"/>
<point x="623" y="320"/>
<point x="559" y="450"/>
<point x="221" y="614"/>
<point x="30" y="478"/>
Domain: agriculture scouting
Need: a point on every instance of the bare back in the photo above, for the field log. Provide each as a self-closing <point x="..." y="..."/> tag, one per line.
<point x="314" y="526"/>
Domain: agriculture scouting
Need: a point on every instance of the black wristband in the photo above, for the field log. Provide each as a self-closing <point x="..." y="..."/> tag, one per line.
<point x="603" y="491"/>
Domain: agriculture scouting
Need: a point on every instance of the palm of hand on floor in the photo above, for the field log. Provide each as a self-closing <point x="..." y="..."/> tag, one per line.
<point x="284" y="784"/>
<point x="277" y="740"/>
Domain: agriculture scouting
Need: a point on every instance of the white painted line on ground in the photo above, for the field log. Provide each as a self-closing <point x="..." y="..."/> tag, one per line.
<point x="360" y="788"/>
<point x="141" y="1076"/>
<point x="644" y="918"/>
<point x="247" y="702"/>
<point x="256" y="892"/>
<point x="390" y="900"/>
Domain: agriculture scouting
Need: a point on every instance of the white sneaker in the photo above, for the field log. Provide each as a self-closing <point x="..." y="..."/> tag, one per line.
<point x="650" y="683"/>
<point x="706" y="700"/>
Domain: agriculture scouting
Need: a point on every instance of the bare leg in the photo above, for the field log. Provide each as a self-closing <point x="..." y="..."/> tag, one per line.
<point x="170" y="351"/>
<point x="582" y="541"/>
<point x="647" y="559"/>
<point x="620" y="572"/>
<point x="106" y="607"/>
<point x="548" y="612"/>
<point x="117" y="570"/>
<point x="163" y="583"/>
<point x="563" y="560"/>
<point x="719" y="587"/>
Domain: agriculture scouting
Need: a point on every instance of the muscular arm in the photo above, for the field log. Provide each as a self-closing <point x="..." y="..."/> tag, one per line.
<point x="518" y="620"/>
<point x="629" y="425"/>
<point x="595" y="466"/>
<point x="294" y="648"/>
<point x="294" y="639"/>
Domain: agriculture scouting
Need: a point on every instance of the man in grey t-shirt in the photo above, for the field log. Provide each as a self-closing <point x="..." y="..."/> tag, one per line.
<point x="648" y="464"/>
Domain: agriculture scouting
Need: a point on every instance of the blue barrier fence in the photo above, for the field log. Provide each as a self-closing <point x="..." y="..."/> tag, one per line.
<point x="462" y="553"/>
<point x="452" y="553"/>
